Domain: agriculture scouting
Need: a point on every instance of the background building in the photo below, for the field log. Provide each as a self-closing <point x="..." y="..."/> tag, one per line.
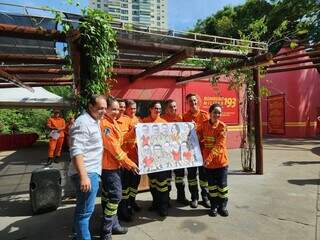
<point x="151" y="13"/>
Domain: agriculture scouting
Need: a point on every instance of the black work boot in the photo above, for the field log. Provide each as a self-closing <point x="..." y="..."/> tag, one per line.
<point x="181" y="198"/>
<point x="205" y="202"/>
<point x="119" y="230"/>
<point x="213" y="212"/>
<point x="134" y="205"/>
<point x="194" y="203"/>
<point x="56" y="159"/>
<point x="223" y="212"/>
<point x="49" y="161"/>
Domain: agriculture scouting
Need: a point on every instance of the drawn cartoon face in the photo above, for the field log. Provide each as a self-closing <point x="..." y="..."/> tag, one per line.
<point x="175" y="146"/>
<point x="157" y="150"/>
<point x="155" y="129"/>
<point x="175" y="130"/>
<point x="147" y="150"/>
<point x="184" y="147"/>
<point x="166" y="147"/>
<point x="164" y="129"/>
<point x="185" y="128"/>
<point x="145" y="129"/>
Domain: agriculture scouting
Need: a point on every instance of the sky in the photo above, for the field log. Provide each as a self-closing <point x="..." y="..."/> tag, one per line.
<point x="182" y="14"/>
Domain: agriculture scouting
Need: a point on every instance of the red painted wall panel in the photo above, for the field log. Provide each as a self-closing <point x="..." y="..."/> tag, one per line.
<point x="302" y="98"/>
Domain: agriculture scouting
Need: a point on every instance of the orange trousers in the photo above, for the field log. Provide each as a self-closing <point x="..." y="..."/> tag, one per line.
<point x="55" y="146"/>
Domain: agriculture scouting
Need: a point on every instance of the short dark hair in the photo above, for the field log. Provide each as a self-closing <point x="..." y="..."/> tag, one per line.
<point x="152" y="104"/>
<point x="92" y="99"/>
<point x="111" y="100"/>
<point x="213" y="106"/>
<point x="120" y="100"/>
<point x="168" y="102"/>
<point x="130" y="103"/>
<point x="189" y="95"/>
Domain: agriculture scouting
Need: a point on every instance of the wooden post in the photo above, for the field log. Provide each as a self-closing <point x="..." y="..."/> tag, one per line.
<point x="74" y="51"/>
<point x="258" y="122"/>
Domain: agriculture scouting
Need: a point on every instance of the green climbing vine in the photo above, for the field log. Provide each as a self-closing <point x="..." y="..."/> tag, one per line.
<point x="98" y="51"/>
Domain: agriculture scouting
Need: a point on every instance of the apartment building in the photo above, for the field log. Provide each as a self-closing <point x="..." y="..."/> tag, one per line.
<point x="151" y="13"/>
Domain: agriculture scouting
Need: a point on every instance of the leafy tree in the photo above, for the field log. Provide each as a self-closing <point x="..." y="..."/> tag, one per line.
<point x="279" y="21"/>
<point x="25" y="120"/>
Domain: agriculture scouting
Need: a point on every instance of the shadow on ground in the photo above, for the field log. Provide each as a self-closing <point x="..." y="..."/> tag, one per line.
<point x="302" y="182"/>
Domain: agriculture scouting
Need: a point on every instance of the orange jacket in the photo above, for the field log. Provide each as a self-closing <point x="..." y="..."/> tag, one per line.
<point x="212" y="138"/>
<point x="54" y="123"/>
<point x="113" y="156"/>
<point x="124" y="123"/>
<point x="198" y="118"/>
<point x="129" y="143"/>
<point x="172" y="118"/>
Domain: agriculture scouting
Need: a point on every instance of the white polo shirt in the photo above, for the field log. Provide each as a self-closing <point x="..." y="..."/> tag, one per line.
<point x="86" y="139"/>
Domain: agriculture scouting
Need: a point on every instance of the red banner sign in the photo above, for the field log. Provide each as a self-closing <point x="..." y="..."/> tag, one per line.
<point x="228" y="99"/>
<point x="276" y="114"/>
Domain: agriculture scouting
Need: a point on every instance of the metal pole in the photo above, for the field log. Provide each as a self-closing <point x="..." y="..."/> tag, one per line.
<point x="258" y="122"/>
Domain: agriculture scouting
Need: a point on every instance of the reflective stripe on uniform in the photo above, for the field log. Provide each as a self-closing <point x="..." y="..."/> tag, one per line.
<point x="203" y="183"/>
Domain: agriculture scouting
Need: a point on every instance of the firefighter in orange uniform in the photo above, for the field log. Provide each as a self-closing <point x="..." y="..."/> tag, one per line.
<point x="130" y="181"/>
<point x="113" y="158"/>
<point x="57" y="125"/>
<point x="172" y="116"/>
<point x="196" y="116"/>
<point x="159" y="181"/>
<point x="212" y="134"/>
<point x="124" y="122"/>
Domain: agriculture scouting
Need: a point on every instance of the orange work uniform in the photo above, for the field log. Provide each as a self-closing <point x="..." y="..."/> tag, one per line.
<point x="55" y="145"/>
<point x="213" y="144"/>
<point x="124" y="123"/>
<point x="113" y="155"/>
<point x="198" y="118"/>
<point x="214" y="151"/>
<point x="113" y="158"/>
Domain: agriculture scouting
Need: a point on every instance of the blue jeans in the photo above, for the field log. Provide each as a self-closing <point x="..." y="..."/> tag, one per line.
<point x="85" y="206"/>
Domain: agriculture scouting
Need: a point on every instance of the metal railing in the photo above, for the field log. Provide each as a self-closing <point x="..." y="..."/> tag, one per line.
<point x="150" y="31"/>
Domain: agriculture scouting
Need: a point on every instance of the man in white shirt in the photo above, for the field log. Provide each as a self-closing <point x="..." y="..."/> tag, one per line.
<point x="85" y="169"/>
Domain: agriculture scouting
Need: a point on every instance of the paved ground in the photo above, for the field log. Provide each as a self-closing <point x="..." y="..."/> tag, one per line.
<point x="281" y="204"/>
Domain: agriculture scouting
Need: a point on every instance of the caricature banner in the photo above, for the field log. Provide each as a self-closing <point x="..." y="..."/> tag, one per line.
<point x="167" y="146"/>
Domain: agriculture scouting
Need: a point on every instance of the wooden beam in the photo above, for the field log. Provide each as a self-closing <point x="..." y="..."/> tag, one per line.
<point x="45" y="79"/>
<point x="33" y="70"/>
<point x="32" y="84"/>
<point x="164" y="65"/>
<point x="10" y="30"/>
<point x="293" y="62"/>
<point x="29" y="58"/>
<point x="251" y="63"/>
<point x="310" y="54"/>
<point x="13" y="80"/>
<point x="277" y="70"/>
<point x="172" y="49"/>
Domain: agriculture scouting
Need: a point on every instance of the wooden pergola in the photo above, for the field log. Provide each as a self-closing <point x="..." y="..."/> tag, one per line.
<point x="149" y="50"/>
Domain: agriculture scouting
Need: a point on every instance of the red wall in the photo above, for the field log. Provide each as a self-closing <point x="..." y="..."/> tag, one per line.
<point x="302" y="99"/>
<point x="161" y="88"/>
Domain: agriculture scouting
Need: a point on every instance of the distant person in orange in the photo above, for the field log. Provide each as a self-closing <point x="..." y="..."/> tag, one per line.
<point x="56" y="124"/>
<point x="196" y="116"/>
<point x="70" y="122"/>
<point x="212" y="135"/>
